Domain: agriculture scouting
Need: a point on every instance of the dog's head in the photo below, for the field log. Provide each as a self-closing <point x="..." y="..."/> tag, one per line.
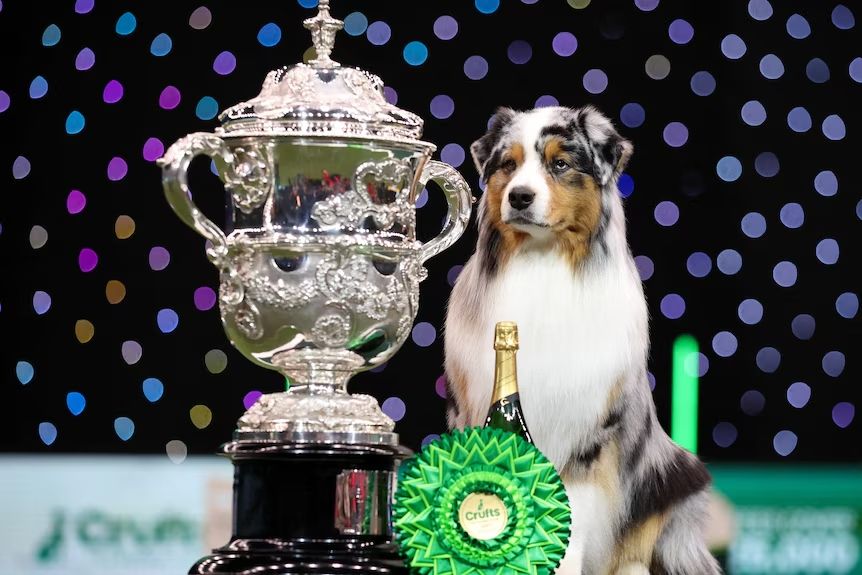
<point x="547" y="171"/>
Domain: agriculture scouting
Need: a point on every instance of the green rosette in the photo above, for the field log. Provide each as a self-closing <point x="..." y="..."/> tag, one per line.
<point x="478" y="502"/>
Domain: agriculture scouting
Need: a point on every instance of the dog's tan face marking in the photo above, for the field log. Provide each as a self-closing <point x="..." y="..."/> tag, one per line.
<point x="510" y="161"/>
<point x="575" y="203"/>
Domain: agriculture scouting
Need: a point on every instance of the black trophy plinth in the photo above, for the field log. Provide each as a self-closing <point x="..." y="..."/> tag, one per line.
<point x="309" y="508"/>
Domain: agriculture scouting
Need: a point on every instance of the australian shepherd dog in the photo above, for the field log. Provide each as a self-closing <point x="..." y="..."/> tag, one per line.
<point x="552" y="256"/>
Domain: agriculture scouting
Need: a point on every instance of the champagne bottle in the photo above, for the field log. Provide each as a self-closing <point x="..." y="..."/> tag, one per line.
<point x="506" y="412"/>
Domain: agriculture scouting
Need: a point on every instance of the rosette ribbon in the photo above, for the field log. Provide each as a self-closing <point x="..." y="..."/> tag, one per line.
<point x="530" y="526"/>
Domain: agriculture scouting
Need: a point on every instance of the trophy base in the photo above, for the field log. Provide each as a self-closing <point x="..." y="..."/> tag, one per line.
<point x="304" y="507"/>
<point x="246" y="557"/>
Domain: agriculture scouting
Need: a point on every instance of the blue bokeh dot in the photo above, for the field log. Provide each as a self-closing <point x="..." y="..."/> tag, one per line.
<point x="415" y="53"/>
<point x="798" y="27"/>
<point x="733" y="47"/>
<point x="487" y="6"/>
<point x="703" y="83"/>
<point x="51" y="36"/>
<point x="153" y="389"/>
<point x="126" y="24"/>
<point x="76" y="402"/>
<point x="38" y="87"/>
<point x="625" y="185"/>
<point x="799" y="120"/>
<point x="729" y="168"/>
<point x="355" y="23"/>
<point x="75" y="122"/>
<point x="207" y="108"/>
<point x="378" y="33"/>
<point x="269" y="35"/>
<point x="826" y="183"/>
<point x="167" y="320"/>
<point x="632" y="115"/>
<point x="161" y="45"/>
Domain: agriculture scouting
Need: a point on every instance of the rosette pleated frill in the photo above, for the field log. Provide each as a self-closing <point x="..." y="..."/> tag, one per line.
<point x="501" y="466"/>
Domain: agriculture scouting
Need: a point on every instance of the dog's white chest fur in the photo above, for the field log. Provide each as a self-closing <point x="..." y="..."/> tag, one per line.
<point x="576" y="340"/>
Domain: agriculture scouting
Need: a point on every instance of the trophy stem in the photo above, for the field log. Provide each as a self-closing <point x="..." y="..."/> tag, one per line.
<point x="318" y="371"/>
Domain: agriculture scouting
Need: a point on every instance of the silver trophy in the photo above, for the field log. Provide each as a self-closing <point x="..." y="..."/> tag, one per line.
<point x="320" y="266"/>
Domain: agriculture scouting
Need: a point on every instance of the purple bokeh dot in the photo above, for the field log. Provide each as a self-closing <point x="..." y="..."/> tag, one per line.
<point x="84" y="6"/>
<point x="843" y="414"/>
<point x="21" y="168"/>
<point x="422" y="198"/>
<point x="672" y="306"/>
<point x="699" y="264"/>
<point x="842" y="17"/>
<point x="798" y="394"/>
<point x="251" y="398"/>
<point x="433" y="436"/>
<point x="169" y="98"/>
<point x="453" y="154"/>
<point x="724" y="344"/>
<point x="760" y="9"/>
<point x="753" y="224"/>
<point x="645" y="267"/>
<point x="771" y="67"/>
<point x="475" y="67"/>
<point x="442" y="106"/>
<point x="675" y="134"/>
<point x="5" y="101"/>
<point x="833" y="127"/>
<point x="784" y="442"/>
<point x="445" y="27"/>
<point x="784" y="274"/>
<point x="453" y="273"/>
<point x="632" y="115"/>
<point x="753" y="113"/>
<point x="750" y="311"/>
<point x="85" y="59"/>
<point x="680" y="31"/>
<point x="153" y="149"/>
<point x="113" y="92"/>
<point x="390" y="94"/>
<point x="847" y="305"/>
<point x="766" y="164"/>
<point x="729" y="262"/>
<point x="394" y="407"/>
<point x="666" y="213"/>
<point x="798" y="27"/>
<point x="440" y="386"/>
<point x="799" y="120"/>
<point x="205" y="298"/>
<point x="702" y="83"/>
<point x="224" y="63"/>
<point x="117" y="169"/>
<point x="519" y="52"/>
<point x="646" y="5"/>
<point x="546" y="101"/>
<point x="733" y="47"/>
<point x="833" y="363"/>
<point x="803" y="326"/>
<point x="724" y="434"/>
<point x="167" y="320"/>
<point x="792" y="215"/>
<point x="564" y="44"/>
<point x="424" y="334"/>
<point x="41" y="302"/>
<point x="378" y="33"/>
<point x="827" y="251"/>
<point x="76" y="202"/>
<point x="379" y="368"/>
<point x="595" y="81"/>
<point x="159" y="258"/>
<point x="826" y="183"/>
<point x="87" y="260"/>
<point x="752" y="402"/>
<point x="651" y="380"/>
<point x="768" y="359"/>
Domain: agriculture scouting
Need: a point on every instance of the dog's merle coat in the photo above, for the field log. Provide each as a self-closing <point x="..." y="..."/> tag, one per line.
<point x="561" y="268"/>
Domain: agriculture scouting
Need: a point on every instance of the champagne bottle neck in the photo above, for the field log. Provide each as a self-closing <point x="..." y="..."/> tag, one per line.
<point x="505" y="375"/>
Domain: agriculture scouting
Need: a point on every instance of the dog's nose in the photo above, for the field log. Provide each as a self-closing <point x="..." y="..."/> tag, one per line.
<point x="521" y="197"/>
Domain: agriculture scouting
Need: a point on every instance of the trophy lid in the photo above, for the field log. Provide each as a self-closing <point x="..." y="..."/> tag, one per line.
<point x="321" y="98"/>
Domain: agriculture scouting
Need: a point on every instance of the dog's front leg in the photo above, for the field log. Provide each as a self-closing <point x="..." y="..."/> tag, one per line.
<point x="633" y="569"/>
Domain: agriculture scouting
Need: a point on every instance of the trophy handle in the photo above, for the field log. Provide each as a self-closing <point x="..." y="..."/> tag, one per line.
<point x="460" y="201"/>
<point x="175" y="164"/>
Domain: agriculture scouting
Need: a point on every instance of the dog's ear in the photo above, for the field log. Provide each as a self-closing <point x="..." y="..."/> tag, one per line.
<point x="481" y="149"/>
<point x="611" y="152"/>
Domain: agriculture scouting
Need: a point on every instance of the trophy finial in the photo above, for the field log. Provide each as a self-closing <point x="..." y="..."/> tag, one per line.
<point x="323" y="28"/>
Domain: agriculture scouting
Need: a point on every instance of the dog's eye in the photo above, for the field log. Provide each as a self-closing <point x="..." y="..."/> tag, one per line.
<point x="560" y="166"/>
<point x="508" y="166"/>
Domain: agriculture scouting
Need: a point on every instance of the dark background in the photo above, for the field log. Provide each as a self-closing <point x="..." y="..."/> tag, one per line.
<point x="616" y="37"/>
